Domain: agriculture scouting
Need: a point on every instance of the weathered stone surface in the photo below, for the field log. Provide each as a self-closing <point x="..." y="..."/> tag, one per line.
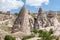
<point x="24" y="22"/>
<point x="50" y="18"/>
<point x="31" y="22"/>
<point x="41" y="19"/>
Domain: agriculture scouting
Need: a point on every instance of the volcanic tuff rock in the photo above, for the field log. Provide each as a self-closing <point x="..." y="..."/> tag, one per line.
<point x="25" y="22"/>
<point x="22" y="22"/>
<point x="49" y="20"/>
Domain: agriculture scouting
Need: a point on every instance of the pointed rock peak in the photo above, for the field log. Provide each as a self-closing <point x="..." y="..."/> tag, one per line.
<point x="23" y="8"/>
<point x="40" y="10"/>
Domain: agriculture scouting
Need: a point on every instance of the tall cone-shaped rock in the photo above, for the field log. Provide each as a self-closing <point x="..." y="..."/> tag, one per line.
<point x="40" y="18"/>
<point x="40" y="14"/>
<point x="22" y="22"/>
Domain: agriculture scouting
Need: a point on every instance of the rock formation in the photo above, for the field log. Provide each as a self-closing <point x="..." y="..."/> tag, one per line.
<point x="45" y="20"/>
<point x="40" y="19"/>
<point x="24" y="22"/>
<point x="31" y="22"/>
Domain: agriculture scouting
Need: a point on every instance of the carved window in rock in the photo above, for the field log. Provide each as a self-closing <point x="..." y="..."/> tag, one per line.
<point x="20" y="23"/>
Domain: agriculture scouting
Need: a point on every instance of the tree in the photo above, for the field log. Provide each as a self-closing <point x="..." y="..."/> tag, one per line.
<point x="8" y="37"/>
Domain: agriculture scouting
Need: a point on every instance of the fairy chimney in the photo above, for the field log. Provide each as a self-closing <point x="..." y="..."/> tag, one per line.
<point x="40" y="14"/>
<point x="39" y="21"/>
<point x="22" y="22"/>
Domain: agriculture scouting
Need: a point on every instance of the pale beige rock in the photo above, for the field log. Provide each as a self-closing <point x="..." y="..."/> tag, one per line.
<point x="18" y="39"/>
<point x="23" y="22"/>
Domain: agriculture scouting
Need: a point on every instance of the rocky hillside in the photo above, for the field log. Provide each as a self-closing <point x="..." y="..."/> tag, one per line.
<point x="6" y="22"/>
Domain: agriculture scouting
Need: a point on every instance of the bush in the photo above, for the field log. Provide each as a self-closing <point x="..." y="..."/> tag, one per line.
<point x="51" y="31"/>
<point x="45" y="35"/>
<point x="28" y="37"/>
<point x="57" y="38"/>
<point x="34" y="31"/>
<point x="8" y="37"/>
<point x="40" y="31"/>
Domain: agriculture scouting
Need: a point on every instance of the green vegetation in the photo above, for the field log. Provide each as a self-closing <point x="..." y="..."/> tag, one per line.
<point x="44" y="35"/>
<point x="28" y="37"/>
<point x="8" y="37"/>
<point x="34" y="31"/>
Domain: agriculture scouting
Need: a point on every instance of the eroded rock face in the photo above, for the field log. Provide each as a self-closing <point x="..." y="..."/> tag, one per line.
<point x="45" y="20"/>
<point x="31" y="22"/>
<point x="50" y="18"/>
<point x="24" y="22"/>
<point x="56" y="27"/>
<point x="41" y="19"/>
<point x="18" y="21"/>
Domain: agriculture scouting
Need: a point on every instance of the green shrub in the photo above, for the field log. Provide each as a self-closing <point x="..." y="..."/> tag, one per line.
<point x="45" y="35"/>
<point x="40" y="31"/>
<point x="8" y="37"/>
<point x="34" y="31"/>
<point x="28" y="37"/>
<point x="57" y="38"/>
<point x="51" y="31"/>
